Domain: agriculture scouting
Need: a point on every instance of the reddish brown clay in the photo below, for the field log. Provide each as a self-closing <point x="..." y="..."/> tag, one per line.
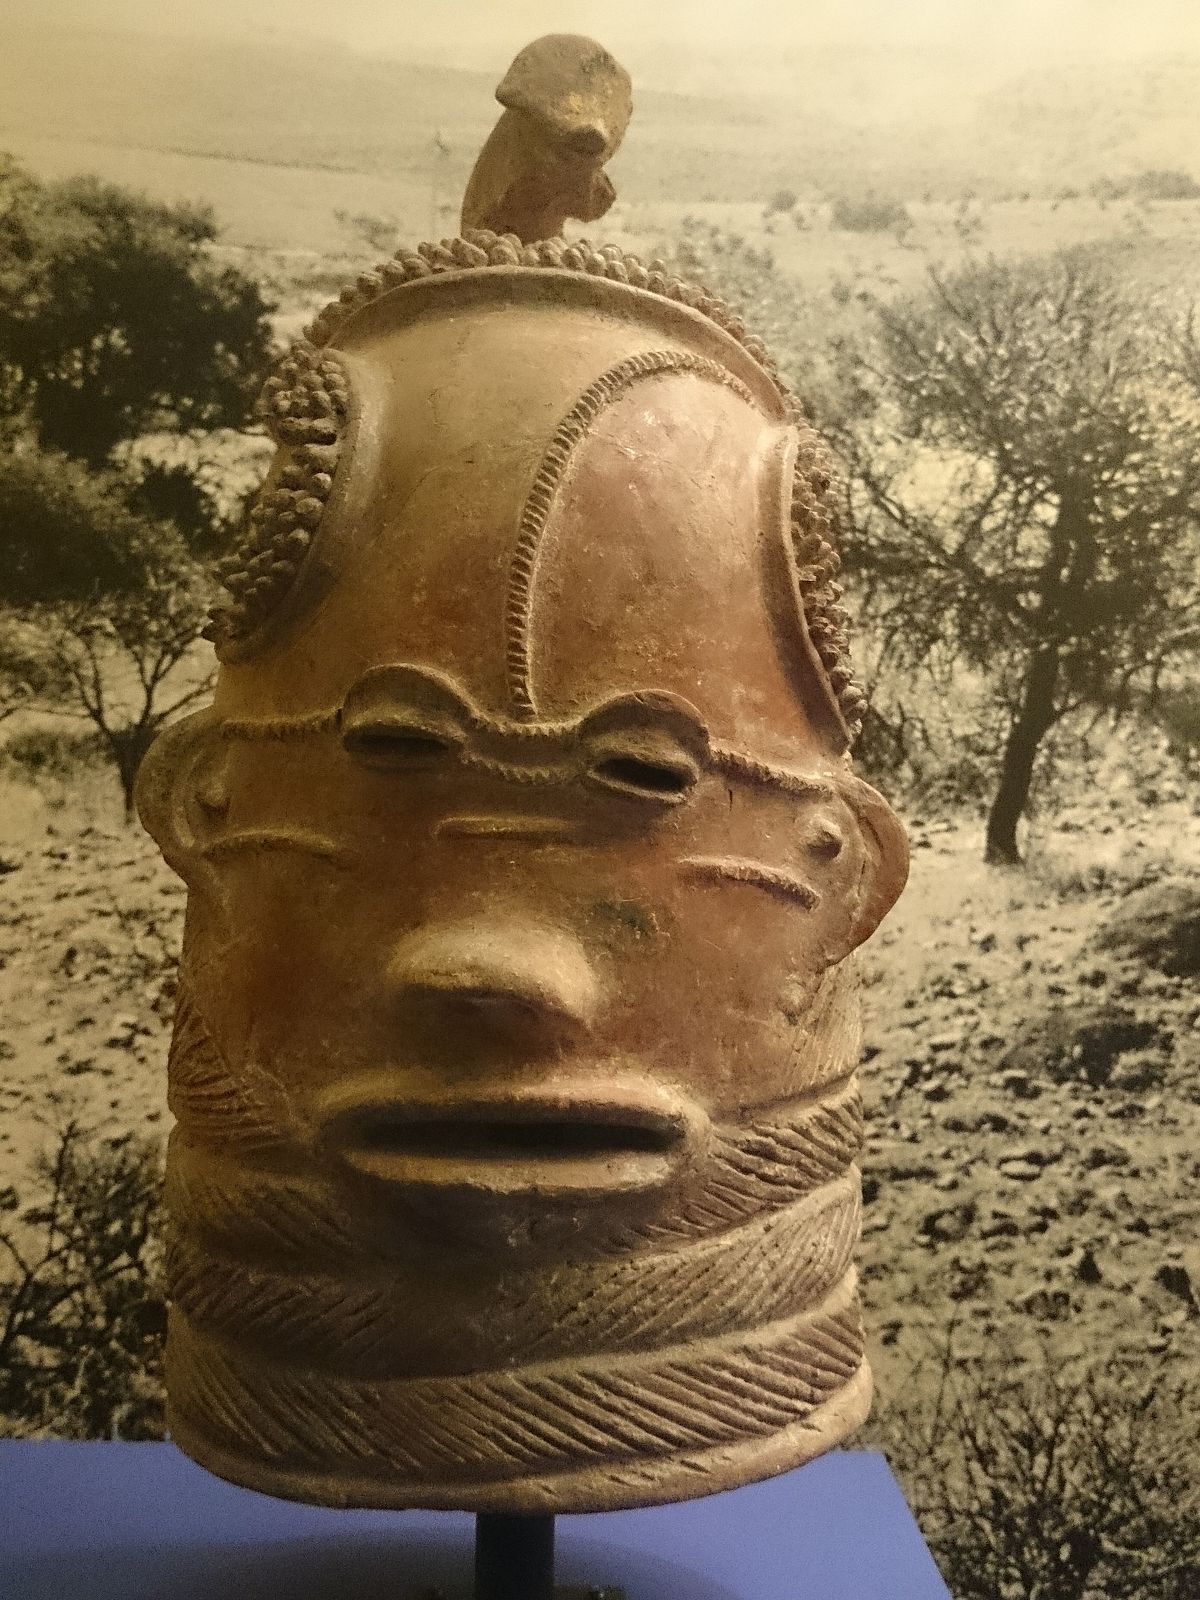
<point x="514" y="1068"/>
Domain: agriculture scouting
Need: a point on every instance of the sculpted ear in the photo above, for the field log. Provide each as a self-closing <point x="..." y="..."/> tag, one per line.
<point x="179" y="789"/>
<point x="885" y="860"/>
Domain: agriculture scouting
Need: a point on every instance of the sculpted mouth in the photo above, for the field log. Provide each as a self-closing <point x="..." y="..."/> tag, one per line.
<point x="566" y="1140"/>
<point x="505" y="1139"/>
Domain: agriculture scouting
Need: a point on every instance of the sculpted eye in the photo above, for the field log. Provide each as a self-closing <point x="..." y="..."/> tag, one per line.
<point x="403" y="719"/>
<point x="646" y="777"/>
<point x="648" y="746"/>
<point x="645" y="770"/>
<point x="398" y="744"/>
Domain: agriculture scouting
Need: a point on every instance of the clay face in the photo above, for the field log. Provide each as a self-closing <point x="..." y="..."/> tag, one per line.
<point x="514" y="1069"/>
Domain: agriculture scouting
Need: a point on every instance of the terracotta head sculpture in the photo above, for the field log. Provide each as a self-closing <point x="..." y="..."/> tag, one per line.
<point x="515" y="1060"/>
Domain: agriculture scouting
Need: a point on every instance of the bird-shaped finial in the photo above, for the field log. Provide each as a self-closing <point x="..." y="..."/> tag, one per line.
<point x="567" y="104"/>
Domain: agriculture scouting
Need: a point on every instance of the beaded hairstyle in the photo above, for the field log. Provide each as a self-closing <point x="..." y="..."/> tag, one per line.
<point x="305" y="404"/>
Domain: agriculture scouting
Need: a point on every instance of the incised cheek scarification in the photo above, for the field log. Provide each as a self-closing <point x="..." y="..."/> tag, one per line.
<point x="245" y="1109"/>
<point x="262" y="840"/>
<point x="755" y="874"/>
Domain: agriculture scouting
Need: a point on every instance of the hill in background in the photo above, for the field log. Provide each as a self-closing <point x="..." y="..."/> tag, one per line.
<point x="280" y="134"/>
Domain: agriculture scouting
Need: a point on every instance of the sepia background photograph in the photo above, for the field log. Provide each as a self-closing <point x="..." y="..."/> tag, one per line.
<point x="970" y="235"/>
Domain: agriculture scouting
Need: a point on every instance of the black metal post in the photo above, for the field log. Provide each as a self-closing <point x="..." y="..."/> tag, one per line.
<point x="514" y="1557"/>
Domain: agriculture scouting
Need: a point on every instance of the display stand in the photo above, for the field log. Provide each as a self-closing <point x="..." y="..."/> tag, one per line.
<point x="514" y="1558"/>
<point x="109" y="1521"/>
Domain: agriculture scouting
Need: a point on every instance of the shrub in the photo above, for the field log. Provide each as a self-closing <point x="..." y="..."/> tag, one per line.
<point x="1165" y="183"/>
<point x="1156" y="183"/>
<point x="51" y="752"/>
<point x="1037" y="1484"/>
<point x="870" y="214"/>
<point x="1177" y="712"/>
<point x="82" y="1318"/>
<point x="1157" y="927"/>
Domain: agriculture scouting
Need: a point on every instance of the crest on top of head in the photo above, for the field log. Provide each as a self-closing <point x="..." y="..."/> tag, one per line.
<point x="306" y="402"/>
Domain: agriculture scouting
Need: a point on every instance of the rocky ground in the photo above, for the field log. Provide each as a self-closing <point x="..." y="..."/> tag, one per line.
<point x="89" y="930"/>
<point x="1033" y="1085"/>
<point x="1033" y="1079"/>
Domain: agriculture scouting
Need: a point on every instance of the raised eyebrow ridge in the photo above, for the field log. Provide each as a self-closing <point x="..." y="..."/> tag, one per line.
<point x="373" y="684"/>
<point x="660" y="708"/>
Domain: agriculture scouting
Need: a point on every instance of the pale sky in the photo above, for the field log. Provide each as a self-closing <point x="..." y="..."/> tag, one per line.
<point x="706" y="42"/>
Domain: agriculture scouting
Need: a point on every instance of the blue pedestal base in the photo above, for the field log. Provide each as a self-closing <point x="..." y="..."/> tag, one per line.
<point x="141" y="1522"/>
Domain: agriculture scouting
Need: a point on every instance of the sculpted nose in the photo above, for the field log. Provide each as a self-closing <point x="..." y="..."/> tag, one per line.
<point x="498" y="976"/>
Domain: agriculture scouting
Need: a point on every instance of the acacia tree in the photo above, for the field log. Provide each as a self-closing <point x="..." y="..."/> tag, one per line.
<point x="1024" y="448"/>
<point x="66" y="533"/>
<point x="117" y="320"/>
<point x="104" y="608"/>
<point x="124" y="663"/>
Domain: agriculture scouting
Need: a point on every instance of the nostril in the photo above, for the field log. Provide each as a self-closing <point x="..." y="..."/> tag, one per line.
<point x="825" y="841"/>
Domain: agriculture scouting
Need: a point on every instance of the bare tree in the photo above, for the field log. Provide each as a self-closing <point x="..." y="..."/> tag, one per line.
<point x="127" y="663"/>
<point x="101" y="607"/>
<point x="1024" y="446"/>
